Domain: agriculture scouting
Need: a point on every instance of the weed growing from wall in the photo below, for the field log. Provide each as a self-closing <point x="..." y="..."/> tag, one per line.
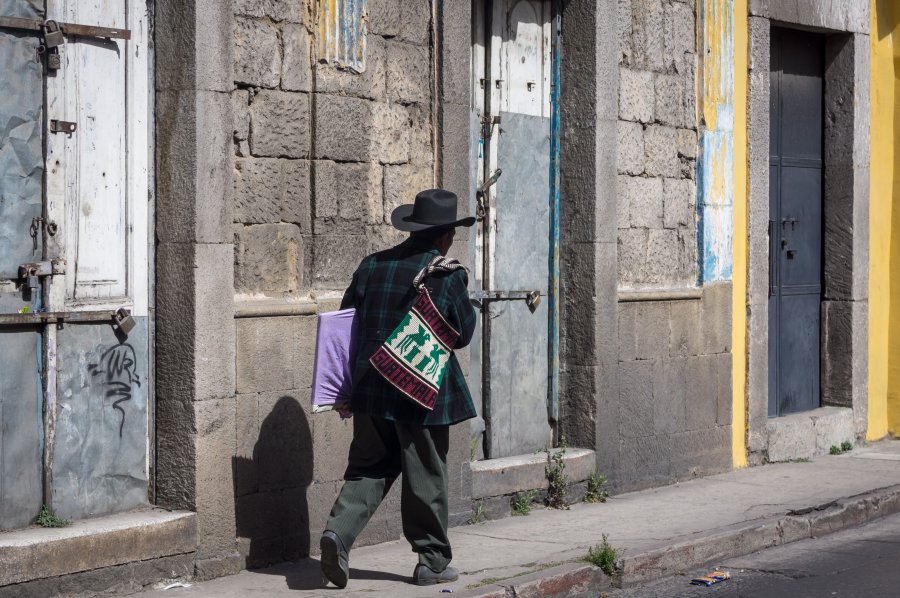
<point x="47" y="519"/>
<point x="523" y="502"/>
<point x="478" y="514"/>
<point x="557" y="480"/>
<point x="596" y="491"/>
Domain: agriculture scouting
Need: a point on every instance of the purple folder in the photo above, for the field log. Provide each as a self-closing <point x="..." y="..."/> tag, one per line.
<point x="332" y="381"/>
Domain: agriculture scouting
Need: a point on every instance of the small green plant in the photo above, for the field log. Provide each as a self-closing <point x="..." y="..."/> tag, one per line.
<point x="557" y="480"/>
<point x="835" y="450"/>
<point x="800" y="460"/>
<point x="603" y="555"/>
<point x="846" y="446"/>
<point x="478" y="514"/>
<point x="523" y="502"/>
<point x="596" y="492"/>
<point x="47" y="519"/>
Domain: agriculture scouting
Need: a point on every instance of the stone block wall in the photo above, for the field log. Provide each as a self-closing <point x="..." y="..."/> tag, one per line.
<point x="322" y="157"/>
<point x="323" y="154"/>
<point x="674" y="379"/>
<point x="657" y="155"/>
<point x="673" y="402"/>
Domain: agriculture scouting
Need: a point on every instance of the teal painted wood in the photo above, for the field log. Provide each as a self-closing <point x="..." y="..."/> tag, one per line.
<point x="553" y="289"/>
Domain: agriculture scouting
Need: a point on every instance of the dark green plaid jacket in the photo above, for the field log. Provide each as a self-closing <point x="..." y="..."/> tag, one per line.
<point x="382" y="293"/>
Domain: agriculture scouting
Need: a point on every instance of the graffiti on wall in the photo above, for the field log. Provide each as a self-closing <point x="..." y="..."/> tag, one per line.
<point x="116" y="370"/>
<point x="715" y="167"/>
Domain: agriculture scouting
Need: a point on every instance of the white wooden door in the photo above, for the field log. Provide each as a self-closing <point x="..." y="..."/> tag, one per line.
<point x="97" y="196"/>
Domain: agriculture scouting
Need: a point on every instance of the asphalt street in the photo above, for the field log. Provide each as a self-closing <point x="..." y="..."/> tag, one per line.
<point x="863" y="561"/>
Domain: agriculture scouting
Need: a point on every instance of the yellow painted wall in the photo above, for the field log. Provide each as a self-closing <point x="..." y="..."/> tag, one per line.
<point x="884" y="222"/>
<point x="739" y="246"/>
<point x="891" y="21"/>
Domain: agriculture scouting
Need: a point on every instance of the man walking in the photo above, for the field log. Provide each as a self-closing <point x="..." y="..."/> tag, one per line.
<point x="393" y="434"/>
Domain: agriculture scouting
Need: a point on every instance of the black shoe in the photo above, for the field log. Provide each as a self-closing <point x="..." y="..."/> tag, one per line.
<point x="335" y="560"/>
<point x="425" y="576"/>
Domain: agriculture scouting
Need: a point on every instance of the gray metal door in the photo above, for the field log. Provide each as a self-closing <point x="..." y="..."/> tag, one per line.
<point x="74" y="217"/>
<point x="21" y="176"/>
<point x="795" y="226"/>
<point x="512" y="245"/>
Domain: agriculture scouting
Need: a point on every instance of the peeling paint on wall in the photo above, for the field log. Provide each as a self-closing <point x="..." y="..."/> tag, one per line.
<point x="715" y="167"/>
<point x="342" y="33"/>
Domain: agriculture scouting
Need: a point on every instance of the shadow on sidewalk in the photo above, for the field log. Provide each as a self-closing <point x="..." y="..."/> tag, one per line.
<point x="306" y="574"/>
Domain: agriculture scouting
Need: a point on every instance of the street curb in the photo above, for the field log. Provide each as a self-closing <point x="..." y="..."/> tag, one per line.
<point x="578" y="579"/>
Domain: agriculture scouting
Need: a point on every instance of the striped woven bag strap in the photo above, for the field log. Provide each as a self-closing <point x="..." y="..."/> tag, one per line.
<point x="438" y="264"/>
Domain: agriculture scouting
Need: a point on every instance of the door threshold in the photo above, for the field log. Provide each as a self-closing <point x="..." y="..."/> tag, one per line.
<point x="809" y="433"/>
<point x="37" y="552"/>
<point x="517" y="473"/>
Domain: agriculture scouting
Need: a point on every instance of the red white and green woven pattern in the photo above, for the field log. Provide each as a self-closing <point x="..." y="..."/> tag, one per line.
<point x="414" y="357"/>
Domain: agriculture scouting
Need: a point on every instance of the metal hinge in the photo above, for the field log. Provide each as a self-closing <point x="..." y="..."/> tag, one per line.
<point x="487" y="125"/>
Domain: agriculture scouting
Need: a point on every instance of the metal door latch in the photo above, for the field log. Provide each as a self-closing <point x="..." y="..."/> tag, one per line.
<point x="123" y="320"/>
<point x="480" y="192"/>
<point x="54" y="33"/>
<point x="31" y="273"/>
<point x="480" y="297"/>
<point x="62" y="126"/>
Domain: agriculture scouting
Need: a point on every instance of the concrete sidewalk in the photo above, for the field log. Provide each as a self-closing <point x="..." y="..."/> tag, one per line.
<point x="657" y="532"/>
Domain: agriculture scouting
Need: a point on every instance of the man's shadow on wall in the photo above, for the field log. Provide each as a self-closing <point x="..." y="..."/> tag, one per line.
<point x="271" y="506"/>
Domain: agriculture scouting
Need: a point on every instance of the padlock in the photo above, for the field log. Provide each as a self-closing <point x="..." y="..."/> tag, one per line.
<point x="32" y="282"/>
<point x="53" y="35"/>
<point x="532" y="300"/>
<point x="124" y="321"/>
<point x="54" y="61"/>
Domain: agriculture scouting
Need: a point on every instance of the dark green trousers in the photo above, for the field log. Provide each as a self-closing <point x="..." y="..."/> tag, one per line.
<point x="381" y="450"/>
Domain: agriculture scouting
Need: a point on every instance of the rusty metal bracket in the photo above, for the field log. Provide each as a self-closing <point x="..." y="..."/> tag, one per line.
<point x="480" y="297"/>
<point x="487" y="125"/>
<point x="49" y="268"/>
<point x="66" y="28"/>
<point x="62" y="126"/>
<point x="50" y="317"/>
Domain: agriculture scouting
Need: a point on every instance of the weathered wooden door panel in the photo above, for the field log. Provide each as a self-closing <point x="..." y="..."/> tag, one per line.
<point x="87" y="170"/>
<point x="97" y="190"/>
<point x="21" y="174"/>
<point x="795" y="221"/>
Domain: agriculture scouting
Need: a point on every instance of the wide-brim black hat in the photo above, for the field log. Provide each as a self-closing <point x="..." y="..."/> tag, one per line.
<point x="433" y="208"/>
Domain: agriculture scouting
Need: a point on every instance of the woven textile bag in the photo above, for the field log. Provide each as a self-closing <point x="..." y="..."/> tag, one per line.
<point x="414" y="357"/>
